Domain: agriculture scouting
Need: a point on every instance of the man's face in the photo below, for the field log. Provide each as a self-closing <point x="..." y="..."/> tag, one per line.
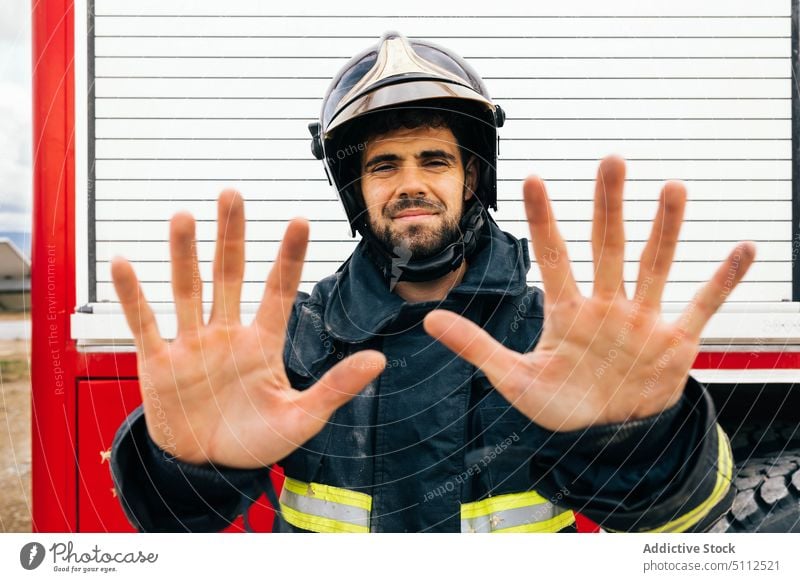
<point x="414" y="187"/>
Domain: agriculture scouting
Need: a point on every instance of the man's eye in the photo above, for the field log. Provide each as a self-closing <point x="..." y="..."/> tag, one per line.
<point x="437" y="163"/>
<point x="382" y="168"/>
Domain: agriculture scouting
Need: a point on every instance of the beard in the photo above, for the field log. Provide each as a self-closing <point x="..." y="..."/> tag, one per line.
<point x="422" y="240"/>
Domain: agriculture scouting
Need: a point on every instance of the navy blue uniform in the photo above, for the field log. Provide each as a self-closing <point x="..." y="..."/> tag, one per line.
<point x="430" y="445"/>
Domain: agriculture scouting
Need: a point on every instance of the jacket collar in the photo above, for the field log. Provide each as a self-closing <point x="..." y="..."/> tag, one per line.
<point x="360" y="304"/>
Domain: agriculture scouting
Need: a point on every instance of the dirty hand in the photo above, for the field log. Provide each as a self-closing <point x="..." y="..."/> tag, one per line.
<point x="219" y="392"/>
<point x="606" y="358"/>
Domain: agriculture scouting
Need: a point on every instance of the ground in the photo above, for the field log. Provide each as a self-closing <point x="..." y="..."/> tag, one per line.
<point x="15" y="437"/>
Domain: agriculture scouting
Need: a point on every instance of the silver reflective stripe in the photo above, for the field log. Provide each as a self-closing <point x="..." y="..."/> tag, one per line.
<point x="509" y="518"/>
<point x="312" y="506"/>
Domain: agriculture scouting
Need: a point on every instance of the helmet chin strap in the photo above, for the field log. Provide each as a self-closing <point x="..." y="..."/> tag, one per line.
<point x="396" y="267"/>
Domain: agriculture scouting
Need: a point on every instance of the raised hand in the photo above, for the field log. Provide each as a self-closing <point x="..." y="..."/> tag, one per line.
<point x="605" y="358"/>
<point x="219" y="392"/>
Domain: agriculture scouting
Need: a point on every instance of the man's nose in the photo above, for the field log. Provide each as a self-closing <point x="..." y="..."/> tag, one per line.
<point x="411" y="183"/>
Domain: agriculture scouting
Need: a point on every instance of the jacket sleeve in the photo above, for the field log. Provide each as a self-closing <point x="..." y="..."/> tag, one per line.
<point x="667" y="473"/>
<point x="159" y="493"/>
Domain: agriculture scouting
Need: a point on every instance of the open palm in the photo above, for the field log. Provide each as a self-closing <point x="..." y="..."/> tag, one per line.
<point x="605" y="358"/>
<point x="219" y="392"/>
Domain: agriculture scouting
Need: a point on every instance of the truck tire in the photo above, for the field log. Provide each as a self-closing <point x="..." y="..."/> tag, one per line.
<point x="760" y="439"/>
<point x="767" y="498"/>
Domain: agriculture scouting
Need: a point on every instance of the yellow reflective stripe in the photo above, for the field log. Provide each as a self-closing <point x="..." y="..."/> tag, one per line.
<point x="324" y="508"/>
<point x="500" y="503"/>
<point x="554" y="524"/>
<point x="319" y="524"/>
<point x="329" y="493"/>
<point x="526" y="512"/>
<point x="724" y="474"/>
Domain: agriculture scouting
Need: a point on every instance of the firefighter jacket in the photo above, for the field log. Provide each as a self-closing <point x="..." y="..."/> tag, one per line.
<point x="430" y="446"/>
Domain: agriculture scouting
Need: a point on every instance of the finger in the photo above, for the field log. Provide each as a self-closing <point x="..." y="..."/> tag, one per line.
<point x="341" y="383"/>
<point x="708" y="300"/>
<point x="472" y="343"/>
<point x="137" y="311"/>
<point x="548" y="246"/>
<point x="659" y="251"/>
<point x="284" y="277"/>
<point x="187" y="285"/>
<point x="608" y="230"/>
<point x="228" y="258"/>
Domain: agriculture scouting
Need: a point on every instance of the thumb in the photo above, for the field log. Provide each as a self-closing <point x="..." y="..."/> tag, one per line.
<point x="339" y="384"/>
<point x="472" y="343"/>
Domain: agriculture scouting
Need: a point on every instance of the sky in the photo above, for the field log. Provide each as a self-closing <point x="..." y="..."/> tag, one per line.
<point x="15" y="116"/>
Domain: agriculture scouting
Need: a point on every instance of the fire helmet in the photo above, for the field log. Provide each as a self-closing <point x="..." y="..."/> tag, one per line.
<point x="400" y="74"/>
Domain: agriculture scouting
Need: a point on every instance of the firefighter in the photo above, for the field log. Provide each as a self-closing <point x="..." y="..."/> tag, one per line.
<point x="424" y="386"/>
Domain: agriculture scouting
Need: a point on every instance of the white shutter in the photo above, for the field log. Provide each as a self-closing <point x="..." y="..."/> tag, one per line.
<point x="196" y="96"/>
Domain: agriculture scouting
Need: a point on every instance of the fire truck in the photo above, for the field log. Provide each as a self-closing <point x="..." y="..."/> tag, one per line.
<point x="142" y="109"/>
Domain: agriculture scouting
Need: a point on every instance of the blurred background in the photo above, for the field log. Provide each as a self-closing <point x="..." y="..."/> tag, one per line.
<point x="15" y="240"/>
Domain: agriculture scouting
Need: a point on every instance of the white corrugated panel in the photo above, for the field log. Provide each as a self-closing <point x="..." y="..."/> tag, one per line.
<point x="193" y="97"/>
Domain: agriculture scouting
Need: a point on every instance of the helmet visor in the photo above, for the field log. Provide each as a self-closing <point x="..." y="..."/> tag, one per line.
<point x="400" y="93"/>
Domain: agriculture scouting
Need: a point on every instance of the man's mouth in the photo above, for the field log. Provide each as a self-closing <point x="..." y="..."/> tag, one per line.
<point x="413" y="214"/>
